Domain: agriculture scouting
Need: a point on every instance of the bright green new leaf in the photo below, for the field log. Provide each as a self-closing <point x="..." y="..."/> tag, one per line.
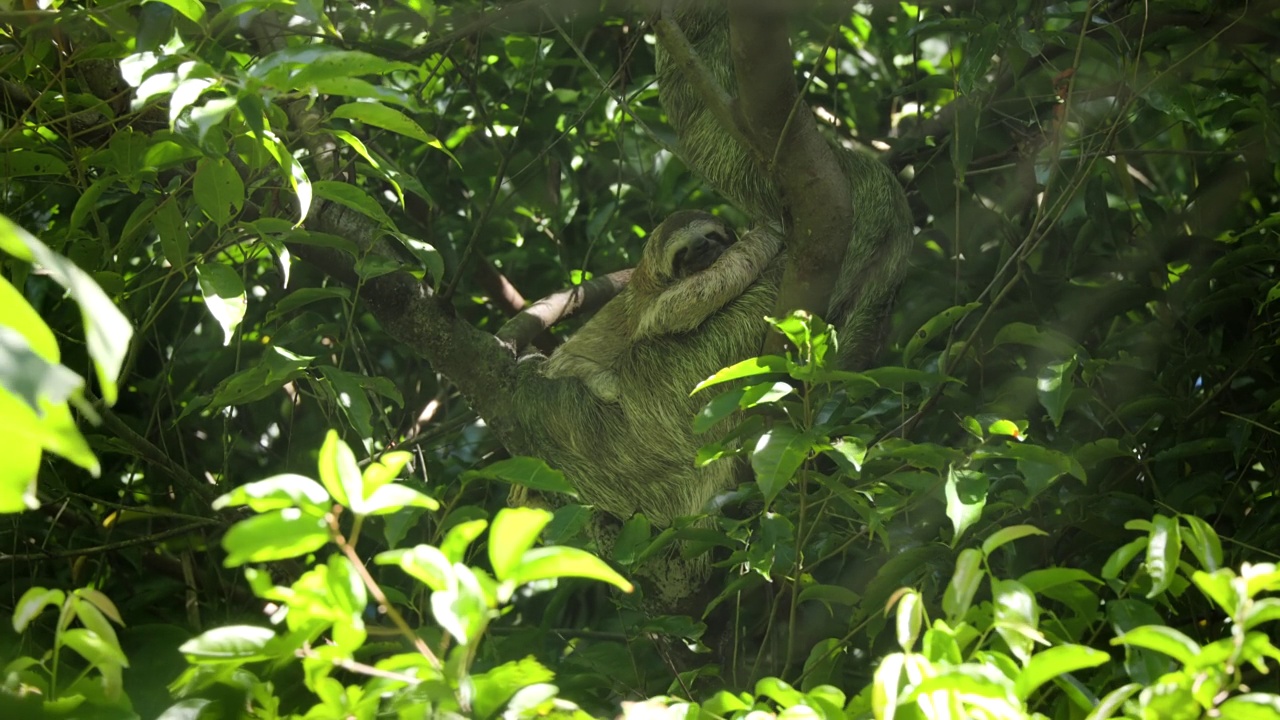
<point x="547" y="563"/>
<point x="513" y="531"/>
<point x="1164" y="547"/>
<point x="463" y="608"/>
<point x="963" y="586"/>
<point x="1251" y="706"/>
<point x="1203" y="542"/>
<point x="459" y="538"/>
<point x="32" y="603"/>
<point x="425" y="563"/>
<point x="750" y="367"/>
<point x="278" y="492"/>
<point x="1162" y="639"/>
<point x="1113" y="701"/>
<point x="1017" y="617"/>
<point x="233" y="643"/>
<point x="274" y="535"/>
<point x="908" y="619"/>
<point x="340" y="473"/>
<point x="886" y="686"/>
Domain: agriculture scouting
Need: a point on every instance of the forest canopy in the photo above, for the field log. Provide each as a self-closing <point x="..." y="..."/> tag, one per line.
<point x="257" y="377"/>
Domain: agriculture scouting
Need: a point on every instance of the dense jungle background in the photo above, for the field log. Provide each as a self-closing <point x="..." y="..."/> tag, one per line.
<point x="232" y="491"/>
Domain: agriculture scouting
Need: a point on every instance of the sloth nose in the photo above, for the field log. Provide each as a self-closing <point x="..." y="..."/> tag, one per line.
<point x="698" y="255"/>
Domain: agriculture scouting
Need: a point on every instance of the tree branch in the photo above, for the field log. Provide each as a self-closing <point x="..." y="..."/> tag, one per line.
<point x="588" y="297"/>
<point x="813" y="185"/>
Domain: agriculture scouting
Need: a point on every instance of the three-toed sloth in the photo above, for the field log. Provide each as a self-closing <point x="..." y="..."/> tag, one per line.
<point x="692" y="266"/>
<point x="611" y="408"/>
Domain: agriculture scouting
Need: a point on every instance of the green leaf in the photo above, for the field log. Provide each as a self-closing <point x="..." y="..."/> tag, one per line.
<point x="1261" y="610"/>
<point x="909" y="617"/>
<point x="1049" y="664"/>
<point x="276" y="367"/>
<point x="218" y="189"/>
<point x="335" y="64"/>
<point x="394" y="497"/>
<point x="107" y="331"/>
<point x="778" y="691"/>
<point x="277" y="492"/>
<point x="1037" y="581"/>
<point x="24" y="163"/>
<point x="964" y="583"/>
<point x="340" y="473"/>
<point x="463" y="608"/>
<point x="379" y="115"/>
<point x="224" y="296"/>
<point x="293" y="170"/>
<point x="94" y="648"/>
<point x="1016" y="617"/>
<point x="459" y="538"/>
<point x="170" y="225"/>
<point x="777" y="456"/>
<point x="886" y="686"/>
<point x="497" y="686"/>
<point x="30" y="377"/>
<point x="631" y="539"/>
<point x="966" y="492"/>
<point x="193" y="10"/>
<point x="1053" y="387"/>
<point x="231" y="644"/>
<point x="556" y="562"/>
<point x="274" y="535"/>
<point x="935" y="327"/>
<point x="1005" y="427"/>
<point x="350" y="196"/>
<point x="1122" y="556"/>
<point x="1161" y="639"/>
<point x="1164" y="547"/>
<point x="532" y="473"/>
<point x="1008" y="535"/>
<point x="1113" y="701"/>
<point x="751" y="367"/>
<point x="425" y="563"/>
<point x="1251" y="706"/>
<point x="32" y="603"/>
<point x="1052" y="341"/>
<point x="1203" y="542"/>
<point x="514" y="531"/>
<point x="1220" y="587"/>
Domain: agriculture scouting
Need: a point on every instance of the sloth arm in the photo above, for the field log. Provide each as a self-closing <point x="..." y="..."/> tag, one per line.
<point x="688" y="303"/>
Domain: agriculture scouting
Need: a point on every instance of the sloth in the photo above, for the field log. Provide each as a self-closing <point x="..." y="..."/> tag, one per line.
<point x="692" y="267"/>
<point x="611" y="408"/>
<point x="875" y="260"/>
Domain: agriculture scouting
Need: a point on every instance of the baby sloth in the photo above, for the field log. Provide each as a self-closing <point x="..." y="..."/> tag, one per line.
<point x="693" y="265"/>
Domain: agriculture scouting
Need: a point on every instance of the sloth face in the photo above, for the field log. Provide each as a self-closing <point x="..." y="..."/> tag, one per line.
<point x="691" y="242"/>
